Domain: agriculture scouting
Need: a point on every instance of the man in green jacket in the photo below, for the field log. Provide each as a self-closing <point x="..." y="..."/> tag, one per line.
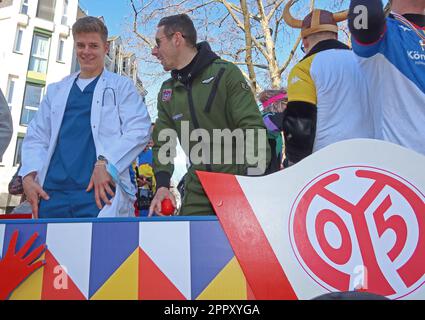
<point x="205" y="97"/>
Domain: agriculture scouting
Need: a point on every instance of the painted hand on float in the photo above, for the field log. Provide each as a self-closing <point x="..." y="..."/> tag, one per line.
<point x="15" y="267"/>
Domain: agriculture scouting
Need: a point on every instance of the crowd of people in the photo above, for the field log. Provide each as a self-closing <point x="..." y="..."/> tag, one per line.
<point x="92" y="125"/>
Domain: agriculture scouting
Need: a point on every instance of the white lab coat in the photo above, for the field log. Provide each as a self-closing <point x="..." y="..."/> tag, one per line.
<point x="120" y="132"/>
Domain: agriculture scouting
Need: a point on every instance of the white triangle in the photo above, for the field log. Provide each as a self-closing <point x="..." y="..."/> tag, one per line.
<point x="2" y="229"/>
<point x="70" y="244"/>
<point x="168" y="245"/>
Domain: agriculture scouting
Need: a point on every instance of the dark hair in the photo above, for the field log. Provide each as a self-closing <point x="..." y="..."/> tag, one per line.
<point x="180" y="23"/>
<point x="90" y="24"/>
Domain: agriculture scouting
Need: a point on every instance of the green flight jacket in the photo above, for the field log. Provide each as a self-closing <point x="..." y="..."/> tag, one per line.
<point x="217" y="98"/>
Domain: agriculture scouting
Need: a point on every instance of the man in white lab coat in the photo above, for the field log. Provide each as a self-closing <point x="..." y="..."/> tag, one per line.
<point x="89" y="128"/>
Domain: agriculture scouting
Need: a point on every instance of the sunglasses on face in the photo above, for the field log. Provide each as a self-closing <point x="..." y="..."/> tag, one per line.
<point x="158" y="40"/>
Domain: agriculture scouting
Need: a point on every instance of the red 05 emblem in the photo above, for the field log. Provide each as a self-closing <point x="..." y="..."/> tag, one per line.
<point x="361" y="228"/>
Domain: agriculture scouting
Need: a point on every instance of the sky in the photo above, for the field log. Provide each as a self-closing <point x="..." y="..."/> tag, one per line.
<point x="114" y="12"/>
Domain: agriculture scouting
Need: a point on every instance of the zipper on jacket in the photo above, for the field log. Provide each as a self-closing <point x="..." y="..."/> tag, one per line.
<point x="214" y="90"/>
<point x="194" y="117"/>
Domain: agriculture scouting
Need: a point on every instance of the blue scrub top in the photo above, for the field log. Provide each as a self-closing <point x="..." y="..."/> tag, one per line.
<point x="73" y="160"/>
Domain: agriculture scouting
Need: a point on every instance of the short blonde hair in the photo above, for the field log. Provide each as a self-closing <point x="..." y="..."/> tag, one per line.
<point x="89" y="25"/>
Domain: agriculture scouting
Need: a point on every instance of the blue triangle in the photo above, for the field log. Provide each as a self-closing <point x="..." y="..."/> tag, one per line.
<point x="112" y="244"/>
<point x="25" y="232"/>
<point x="210" y="253"/>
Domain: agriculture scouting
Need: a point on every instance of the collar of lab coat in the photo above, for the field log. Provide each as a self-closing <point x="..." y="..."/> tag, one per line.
<point x="63" y="93"/>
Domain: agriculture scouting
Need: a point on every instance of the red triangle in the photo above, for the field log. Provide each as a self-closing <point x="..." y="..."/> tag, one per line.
<point x="153" y="284"/>
<point x="50" y="279"/>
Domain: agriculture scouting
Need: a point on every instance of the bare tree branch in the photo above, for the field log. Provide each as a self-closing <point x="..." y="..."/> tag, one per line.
<point x="274" y="8"/>
<point x="292" y="53"/>
<point x="136" y="32"/>
<point x="165" y="8"/>
<point x="270" y="46"/>
<point x="248" y="43"/>
<point x="200" y="6"/>
<point x="290" y="56"/>
<point x="241" y="27"/>
<point x="260" y="66"/>
<point x="240" y="10"/>
<point x="251" y="38"/>
<point x="222" y="20"/>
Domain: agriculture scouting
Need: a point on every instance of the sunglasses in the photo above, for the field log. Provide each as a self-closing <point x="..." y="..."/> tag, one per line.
<point x="158" y="40"/>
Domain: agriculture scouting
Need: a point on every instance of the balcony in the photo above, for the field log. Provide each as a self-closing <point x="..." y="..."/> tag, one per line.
<point x="63" y="30"/>
<point x="22" y="19"/>
<point x="44" y="24"/>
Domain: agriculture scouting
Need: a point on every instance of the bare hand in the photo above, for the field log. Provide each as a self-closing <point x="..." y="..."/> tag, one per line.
<point x="102" y="183"/>
<point x="33" y="192"/>
<point x="161" y="194"/>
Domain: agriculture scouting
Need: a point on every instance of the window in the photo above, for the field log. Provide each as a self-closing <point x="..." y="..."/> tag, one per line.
<point x="64" y="20"/>
<point x="39" y="53"/>
<point x="111" y="49"/>
<point x="32" y="99"/>
<point x="18" y="150"/>
<point x="10" y="90"/>
<point x="124" y="65"/>
<point x="46" y="9"/>
<point x="61" y="46"/>
<point x="24" y="7"/>
<point x="18" y="39"/>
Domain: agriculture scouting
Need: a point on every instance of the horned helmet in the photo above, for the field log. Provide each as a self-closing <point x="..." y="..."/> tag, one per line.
<point x="316" y="21"/>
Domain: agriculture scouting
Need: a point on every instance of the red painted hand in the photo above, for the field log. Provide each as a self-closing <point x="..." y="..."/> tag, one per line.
<point x="16" y="267"/>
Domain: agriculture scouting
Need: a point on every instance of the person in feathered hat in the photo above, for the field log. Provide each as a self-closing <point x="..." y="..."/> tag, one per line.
<point x="327" y="95"/>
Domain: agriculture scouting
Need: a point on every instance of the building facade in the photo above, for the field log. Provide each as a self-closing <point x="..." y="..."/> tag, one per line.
<point x="36" y="50"/>
<point x="123" y="63"/>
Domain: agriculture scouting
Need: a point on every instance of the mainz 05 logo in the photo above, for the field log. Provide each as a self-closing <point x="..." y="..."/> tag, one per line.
<point x="361" y="228"/>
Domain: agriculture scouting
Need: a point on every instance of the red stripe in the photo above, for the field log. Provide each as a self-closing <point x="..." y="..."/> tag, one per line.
<point x="364" y="44"/>
<point x="15" y="216"/>
<point x="260" y="265"/>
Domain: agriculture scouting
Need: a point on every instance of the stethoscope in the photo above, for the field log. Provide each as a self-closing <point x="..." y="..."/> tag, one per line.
<point x="103" y="96"/>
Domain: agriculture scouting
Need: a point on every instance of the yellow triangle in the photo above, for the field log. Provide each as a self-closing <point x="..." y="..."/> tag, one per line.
<point x="124" y="282"/>
<point x="229" y="284"/>
<point x="31" y="288"/>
